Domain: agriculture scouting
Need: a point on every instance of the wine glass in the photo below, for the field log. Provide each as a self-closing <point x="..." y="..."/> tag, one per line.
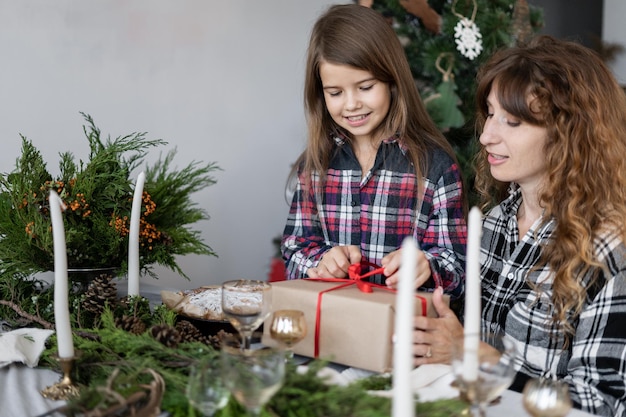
<point x="205" y="389"/>
<point x="495" y="362"/>
<point x="545" y="397"/>
<point x="246" y="304"/>
<point x="254" y="375"/>
<point x="288" y="327"/>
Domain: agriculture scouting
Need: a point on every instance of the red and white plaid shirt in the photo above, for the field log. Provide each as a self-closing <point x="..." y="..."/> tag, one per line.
<point x="377" y="212"/>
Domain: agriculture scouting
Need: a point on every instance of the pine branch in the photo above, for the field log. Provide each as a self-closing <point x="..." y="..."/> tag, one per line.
<point x="98" y="194"/>
<point x="22" y="313"/>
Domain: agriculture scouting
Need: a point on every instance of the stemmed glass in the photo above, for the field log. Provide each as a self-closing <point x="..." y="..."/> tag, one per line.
<point x="253" y="376"/>
<point x="246" y="304"/>
<point x="288" y="327"/>
<point x="495" y="371"/>
<point x="205" y="389"/>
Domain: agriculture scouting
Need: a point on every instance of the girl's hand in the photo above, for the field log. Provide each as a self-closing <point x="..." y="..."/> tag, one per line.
<point x="335" y="262"/>
<point x="391" y="263"/>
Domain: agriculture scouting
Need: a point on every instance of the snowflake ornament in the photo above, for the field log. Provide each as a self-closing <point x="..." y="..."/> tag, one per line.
<point x="468" y="38"/>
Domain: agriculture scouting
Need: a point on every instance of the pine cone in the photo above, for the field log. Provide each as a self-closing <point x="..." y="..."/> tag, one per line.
<point x="130" y="324"/>
<point x="216" y="340"/>
<point x="123" y="303"/>
<point x="190" y="333"/>
<point x="101" y="291"/>
<point x="165" y="334"/>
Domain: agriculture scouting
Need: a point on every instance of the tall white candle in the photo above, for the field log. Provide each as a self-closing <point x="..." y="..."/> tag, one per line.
<point x="403" y="404"/>
<point x="133" y="237"/>
<point x="471" y="339"/>
<point x="61" y="287"/>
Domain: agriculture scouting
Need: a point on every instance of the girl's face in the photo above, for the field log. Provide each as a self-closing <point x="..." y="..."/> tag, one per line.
<point x="356" y="100"/>
<point x="515" y="148"/>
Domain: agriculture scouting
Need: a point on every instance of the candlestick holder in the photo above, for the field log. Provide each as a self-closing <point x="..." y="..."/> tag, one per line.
<point x="65" y="388"/>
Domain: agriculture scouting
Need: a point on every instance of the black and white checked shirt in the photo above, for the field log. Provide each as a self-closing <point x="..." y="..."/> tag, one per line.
<point x="594" y="366"/>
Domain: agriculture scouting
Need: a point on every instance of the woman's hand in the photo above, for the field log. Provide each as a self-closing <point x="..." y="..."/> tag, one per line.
<point x="433" y="337"/>
<point x="391" y="263"/>
<point x="335" y="262"/>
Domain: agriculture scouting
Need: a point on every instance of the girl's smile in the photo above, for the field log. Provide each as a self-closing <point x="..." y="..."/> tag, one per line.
<point x="356" y="121"/>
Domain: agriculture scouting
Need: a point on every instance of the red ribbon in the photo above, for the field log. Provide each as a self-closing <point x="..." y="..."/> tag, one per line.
<point x="354" y="278"/>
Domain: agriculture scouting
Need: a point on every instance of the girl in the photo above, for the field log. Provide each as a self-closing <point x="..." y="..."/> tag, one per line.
<point x="375" y="169"/>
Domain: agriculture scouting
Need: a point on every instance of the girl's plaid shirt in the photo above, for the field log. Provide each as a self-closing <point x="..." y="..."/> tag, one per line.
<point x="379" y="211"/>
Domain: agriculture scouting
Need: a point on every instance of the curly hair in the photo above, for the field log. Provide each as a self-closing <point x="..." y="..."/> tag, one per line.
<point x="360" y="37"/>
<point x="566" y="88"/>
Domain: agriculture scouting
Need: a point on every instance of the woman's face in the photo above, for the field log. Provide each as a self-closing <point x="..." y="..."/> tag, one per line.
<point x="355" y="100"/>
<point x="515" y="148"/>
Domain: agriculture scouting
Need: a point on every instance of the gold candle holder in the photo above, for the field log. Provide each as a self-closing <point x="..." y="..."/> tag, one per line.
<point x="65" y="388"/>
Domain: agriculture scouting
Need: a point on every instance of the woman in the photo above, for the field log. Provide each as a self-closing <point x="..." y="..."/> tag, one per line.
<point x="553" y="260"/>
<point x="375" y="169"/>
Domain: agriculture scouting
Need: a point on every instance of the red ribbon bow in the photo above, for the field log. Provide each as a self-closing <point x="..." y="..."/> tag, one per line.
<point x="354" y="278"/>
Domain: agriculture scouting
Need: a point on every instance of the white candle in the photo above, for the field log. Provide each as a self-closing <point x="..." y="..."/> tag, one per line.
<point x="471" y="340"/>
<point x="403" y="404"/>
<point x="61" y="288"/>
<point x="133" y="237"/>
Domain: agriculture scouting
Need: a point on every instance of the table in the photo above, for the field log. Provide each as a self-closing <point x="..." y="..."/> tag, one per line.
<point x="20" y="396"/>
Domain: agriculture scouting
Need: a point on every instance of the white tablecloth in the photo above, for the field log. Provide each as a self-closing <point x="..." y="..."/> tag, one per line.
<point x="20" y="388"/>
<point x="20" y="396"/>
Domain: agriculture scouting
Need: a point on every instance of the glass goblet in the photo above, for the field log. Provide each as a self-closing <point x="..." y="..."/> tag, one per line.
<point x="544" y="397"/>
<point x="205" y="389"/>
<point x="288" y="327"/>
<point x="495" y="359"/>
<point x="253" y="376"/>
<point x="246" y="304"/>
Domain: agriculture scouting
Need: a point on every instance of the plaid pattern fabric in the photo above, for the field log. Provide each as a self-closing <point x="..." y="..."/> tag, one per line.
<point x="594" y="366"/>
<point x="378" y="212"/>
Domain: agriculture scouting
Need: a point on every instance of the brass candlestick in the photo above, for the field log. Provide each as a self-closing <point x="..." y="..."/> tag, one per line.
<point x="65" y="388"/>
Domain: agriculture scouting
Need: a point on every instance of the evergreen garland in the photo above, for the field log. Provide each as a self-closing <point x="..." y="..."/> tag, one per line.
<point x="108" y="350"/>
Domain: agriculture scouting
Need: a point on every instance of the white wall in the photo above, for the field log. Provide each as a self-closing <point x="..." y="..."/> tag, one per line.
<point x="614" y="30"/>
<point x="219" y="80"/>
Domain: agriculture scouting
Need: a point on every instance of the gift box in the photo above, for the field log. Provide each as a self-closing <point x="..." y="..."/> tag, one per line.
<point x="355" y="326"/>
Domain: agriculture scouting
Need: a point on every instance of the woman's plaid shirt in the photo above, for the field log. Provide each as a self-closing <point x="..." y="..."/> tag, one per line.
<point x="379" y="211"/>
<point x="594" y="366"/>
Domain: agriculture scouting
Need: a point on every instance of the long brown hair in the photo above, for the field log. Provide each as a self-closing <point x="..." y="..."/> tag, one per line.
<point x="361" y="38"/>
<point x="566" y="88"/>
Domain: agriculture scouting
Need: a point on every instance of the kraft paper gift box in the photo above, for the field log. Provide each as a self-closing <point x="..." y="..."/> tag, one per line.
<point x="356" y="327"/>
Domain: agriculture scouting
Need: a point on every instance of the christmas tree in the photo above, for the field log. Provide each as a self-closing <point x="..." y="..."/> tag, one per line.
<point x="446" y="41"/>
